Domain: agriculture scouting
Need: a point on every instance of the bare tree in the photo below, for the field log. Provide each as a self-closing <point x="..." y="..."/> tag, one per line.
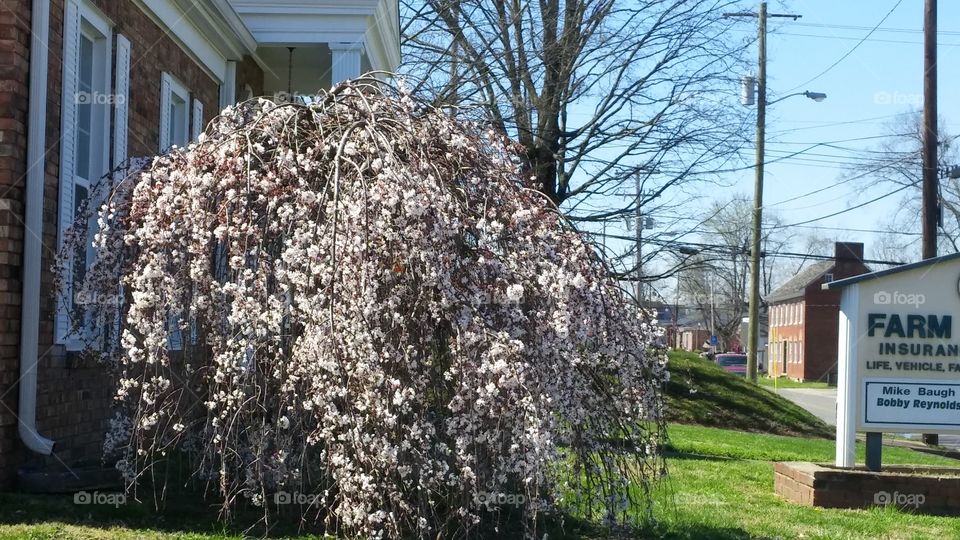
<point x="718" y="284"/>
<point x="813" y="246"/>
<point x="897" y="164"/>
<point x="617" y="104"/>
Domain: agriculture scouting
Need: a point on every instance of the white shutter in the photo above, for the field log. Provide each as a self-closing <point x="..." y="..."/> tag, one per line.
<point x="197" y="126"/>
<point x="121" y="91"/>
<point x="164" y="112"/>
<point x="122" y="101"/>
<point x="68" y="151"/>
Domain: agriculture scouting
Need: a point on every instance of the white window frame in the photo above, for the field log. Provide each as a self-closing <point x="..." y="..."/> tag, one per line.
<point x="81" y="19"/>
<point x="170" y="89"/>
<point x="196" y="120"/>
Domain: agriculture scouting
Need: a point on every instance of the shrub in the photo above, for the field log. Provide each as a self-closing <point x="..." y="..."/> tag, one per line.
<point x="377" y="309"/>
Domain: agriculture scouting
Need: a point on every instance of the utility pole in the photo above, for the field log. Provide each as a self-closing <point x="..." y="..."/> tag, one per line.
<point x="639" y="237"/>
<point x="753" y="335"/>
<point x="930" y="142"/>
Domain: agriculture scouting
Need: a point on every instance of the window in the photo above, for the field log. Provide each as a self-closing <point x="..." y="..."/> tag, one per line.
<point x="86" y="105"/>
<point x="174" y="113"/>
<point x="827" y="278"/>
<point x="176" y="129"/>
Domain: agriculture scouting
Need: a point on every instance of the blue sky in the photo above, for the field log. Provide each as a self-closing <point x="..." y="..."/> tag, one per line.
<point x="882" y="78"/>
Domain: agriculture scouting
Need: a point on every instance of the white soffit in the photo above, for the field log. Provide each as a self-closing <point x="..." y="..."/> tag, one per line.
<point x="210" y="32"/>
<point x="298" y="22"/>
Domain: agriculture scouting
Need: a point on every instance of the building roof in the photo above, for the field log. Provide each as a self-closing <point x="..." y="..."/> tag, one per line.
<point x="796" y="285"/>
<point x="840" y="283"/>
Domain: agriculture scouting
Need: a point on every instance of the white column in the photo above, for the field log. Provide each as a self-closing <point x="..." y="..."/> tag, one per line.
<point x="228" y="90"/>
<point x="345" y="61"/>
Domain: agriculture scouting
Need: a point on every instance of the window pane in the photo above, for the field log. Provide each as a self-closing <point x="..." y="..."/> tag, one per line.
<point x="80" y="194"/>
<point x="178" y="121"/>
<point x="85" y="76"/>
<point x="84" y="100"/>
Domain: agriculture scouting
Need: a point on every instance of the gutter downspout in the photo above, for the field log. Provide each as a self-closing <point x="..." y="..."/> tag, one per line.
<point x="33" y="209"/>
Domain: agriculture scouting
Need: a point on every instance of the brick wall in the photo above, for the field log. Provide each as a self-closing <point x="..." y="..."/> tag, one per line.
<point x="821" y="333"/>
<point x="822" y="316"/>
<point x="14" y="75"/>
<point x="920" y="489"/>
<point x="249" y="73"/>
<point x="782" y="328"/>
<point x="75" y="396"/>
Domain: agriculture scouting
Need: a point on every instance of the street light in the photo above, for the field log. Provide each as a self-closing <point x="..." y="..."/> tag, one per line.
<point x="761" y="100"/>
<point x="748" y="88"/>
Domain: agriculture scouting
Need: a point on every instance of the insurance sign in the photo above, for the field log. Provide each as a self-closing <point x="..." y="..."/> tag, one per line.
<point x="899" y="351"/>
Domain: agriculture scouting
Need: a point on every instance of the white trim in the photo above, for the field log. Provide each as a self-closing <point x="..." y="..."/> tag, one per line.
<point x="170" y="87"/>
<point x="196" y="118"/>
<point x="306" y="7"/>
<point x="163" y="139"/>
<point x="80" y="18"/>
<point x="345" y="61"/>
<point x="181" y="28"/>
<point x="33" y="225"/>
<point x="68" y="117"/>
<point x="847" y="400"/>
<point x="228" y="89"/>
<point x="122" y="101"/>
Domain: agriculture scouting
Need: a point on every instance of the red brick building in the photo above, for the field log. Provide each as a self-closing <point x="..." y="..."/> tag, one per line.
<point x="85" y="84"/>
<point x="803" y="318"/>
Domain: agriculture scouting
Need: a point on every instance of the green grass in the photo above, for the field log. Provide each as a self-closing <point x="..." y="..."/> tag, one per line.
<point x="182" y="517"/>
<point x="783" y="382"/>
<point x="700" y="392"/>
<point x="692" y="441"/>
<point x="720" y="482"/>
<point x="721" y="487"/>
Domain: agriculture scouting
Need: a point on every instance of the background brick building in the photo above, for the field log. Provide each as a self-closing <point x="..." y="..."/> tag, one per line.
<point x="803" y="318"/>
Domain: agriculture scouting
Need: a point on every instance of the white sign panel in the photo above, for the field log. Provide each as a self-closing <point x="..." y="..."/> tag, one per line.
<point x="908" y="340"/>
<point x="899" y="352"/>
<point x="911" y="405"/>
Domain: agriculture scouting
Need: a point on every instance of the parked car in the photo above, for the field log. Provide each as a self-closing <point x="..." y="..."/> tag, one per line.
<point x="732" y="363"/>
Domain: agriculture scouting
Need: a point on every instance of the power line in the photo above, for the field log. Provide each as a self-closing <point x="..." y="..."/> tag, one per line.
<point x="840" y="183"/>
<point x="833" y="124"/>
<point x="851" y="51"/>
<point x="789" y="255"/>
<point x="851" y="38"/>
<point x="726" y="249"/>
<point x="852" y="208"/>
<point x="856" y="139"/>
<point x="848" y="229"/>
<point x="889" y="30"/>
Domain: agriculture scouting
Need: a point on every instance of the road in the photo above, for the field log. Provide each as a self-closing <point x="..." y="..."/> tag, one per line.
<point x="822" y="402"/>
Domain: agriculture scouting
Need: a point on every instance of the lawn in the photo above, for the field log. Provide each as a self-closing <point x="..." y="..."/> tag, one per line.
<point x="783" y="382"/>
<point x="720" y="484"/>
<point x="721" y="487"/>
<point x="700" y="392"/>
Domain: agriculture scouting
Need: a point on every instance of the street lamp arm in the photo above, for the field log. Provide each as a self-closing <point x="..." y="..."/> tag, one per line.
<point x="816" y="96"/>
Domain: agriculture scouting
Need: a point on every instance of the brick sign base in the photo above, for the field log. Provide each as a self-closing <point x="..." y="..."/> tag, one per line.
<point x="919" y="489"/>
